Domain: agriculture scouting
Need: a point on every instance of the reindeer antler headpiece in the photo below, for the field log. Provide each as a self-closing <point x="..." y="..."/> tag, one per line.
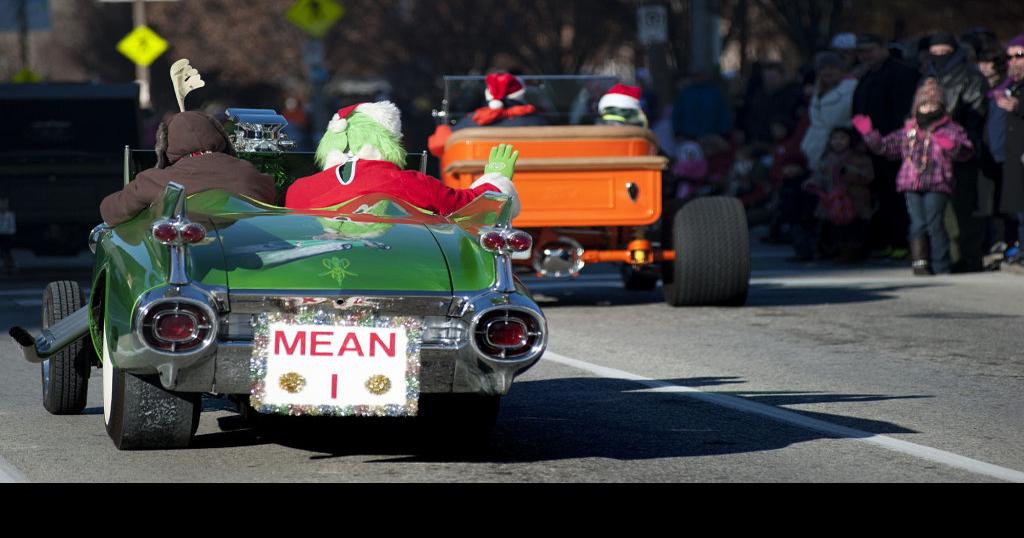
<point x="185" y="79"/>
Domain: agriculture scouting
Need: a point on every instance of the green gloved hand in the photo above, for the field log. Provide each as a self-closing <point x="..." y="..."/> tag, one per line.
<point x="502" y="160"/>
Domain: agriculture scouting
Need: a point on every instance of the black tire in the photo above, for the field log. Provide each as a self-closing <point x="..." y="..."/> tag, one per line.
<point x="459" y="422"/>
<point x="638" y="279"/>
<point x="144" y="415"/>
<point x="712" y="244"/>
<point x="65" y="375"/>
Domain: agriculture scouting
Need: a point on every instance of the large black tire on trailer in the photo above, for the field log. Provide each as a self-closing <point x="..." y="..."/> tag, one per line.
<point x="712" y="245"/>
<point x="145" y="416"/>
<point x="65" y="375"/>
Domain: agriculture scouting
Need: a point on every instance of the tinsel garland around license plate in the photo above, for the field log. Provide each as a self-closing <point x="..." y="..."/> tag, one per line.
<point x="323" y="363"/>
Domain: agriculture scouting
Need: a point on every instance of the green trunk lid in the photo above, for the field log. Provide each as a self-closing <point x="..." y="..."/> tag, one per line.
<point x="372" y="245"/>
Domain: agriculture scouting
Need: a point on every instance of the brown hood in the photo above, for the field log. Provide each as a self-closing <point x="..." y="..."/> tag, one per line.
<point x="189" y="132"/>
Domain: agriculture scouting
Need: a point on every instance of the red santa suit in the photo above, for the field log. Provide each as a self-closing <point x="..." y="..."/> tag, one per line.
<point x="335" y="185"/>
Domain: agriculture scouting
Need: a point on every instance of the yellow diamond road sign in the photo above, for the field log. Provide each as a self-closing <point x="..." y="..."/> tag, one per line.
<point x="142" y="45"/>
<point x="315" y="17"/>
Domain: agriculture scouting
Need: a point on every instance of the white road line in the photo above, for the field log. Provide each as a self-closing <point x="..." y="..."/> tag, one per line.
<point x="796" y="419"/>
<point x="10" y="474"/>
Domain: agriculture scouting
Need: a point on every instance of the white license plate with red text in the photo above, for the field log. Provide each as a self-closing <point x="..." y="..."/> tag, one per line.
<point x="338" y="367"/>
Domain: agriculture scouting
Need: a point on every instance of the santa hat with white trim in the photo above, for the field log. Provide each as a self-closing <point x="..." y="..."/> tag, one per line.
<point x="385" y="113"/>
<point x="621" y="96"/>
<point x="501" y="86"/>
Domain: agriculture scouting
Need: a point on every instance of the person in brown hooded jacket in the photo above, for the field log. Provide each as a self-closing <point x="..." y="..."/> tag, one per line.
<point x="194" y="151"/>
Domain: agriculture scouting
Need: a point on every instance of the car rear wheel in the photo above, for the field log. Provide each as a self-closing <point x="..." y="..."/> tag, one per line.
<point x="65" y="375"/>
<point x="140" y="414"/>
<point x="712" y="245"/>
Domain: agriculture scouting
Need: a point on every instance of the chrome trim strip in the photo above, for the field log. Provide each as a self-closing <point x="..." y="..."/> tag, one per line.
<point x="256" y="301"/>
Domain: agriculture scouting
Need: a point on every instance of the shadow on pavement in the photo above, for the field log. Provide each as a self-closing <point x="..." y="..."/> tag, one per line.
<point x="777" y="295"/>
<point x="561" y="419"/>
<point x="611" y="294"/>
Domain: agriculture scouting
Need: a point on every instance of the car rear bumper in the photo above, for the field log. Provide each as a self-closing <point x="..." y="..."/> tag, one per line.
<point x="449" y="362"/>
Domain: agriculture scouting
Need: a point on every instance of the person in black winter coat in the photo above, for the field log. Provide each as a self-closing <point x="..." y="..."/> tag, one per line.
<point x="1010" y="99"/>
<point x="965" y="89"/>
<point x="884" y="93"/>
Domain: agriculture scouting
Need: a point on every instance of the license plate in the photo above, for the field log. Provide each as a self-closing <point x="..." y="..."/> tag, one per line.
<point x="335" y="367"/>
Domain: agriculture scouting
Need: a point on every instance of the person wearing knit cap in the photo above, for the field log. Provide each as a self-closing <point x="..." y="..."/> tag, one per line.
<point x="506" y="107"/>
<point x="965" y="90"/>
<point x="621" y="106"/>
<point x="927" y="146"/>
<point x="1008" y="98"/>
<point x="361" y="153"/>
<point x="845" y="45"/>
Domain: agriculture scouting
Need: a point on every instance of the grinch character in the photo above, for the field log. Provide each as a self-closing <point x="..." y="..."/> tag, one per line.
<point x="361" y="153"/>
<point x="621" y="106"/>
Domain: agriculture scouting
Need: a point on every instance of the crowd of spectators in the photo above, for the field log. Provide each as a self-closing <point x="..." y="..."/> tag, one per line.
<point x="873" y="149"/>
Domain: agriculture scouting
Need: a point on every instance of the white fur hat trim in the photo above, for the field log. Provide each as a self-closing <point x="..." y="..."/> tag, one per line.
<point x="504" y="185"/>
<point x="337" y="125"/>
<point x="618" y="100"/>
<point x="386" y="114"/>
<point x="496" y="104"/>
<point x="335" y="158"/>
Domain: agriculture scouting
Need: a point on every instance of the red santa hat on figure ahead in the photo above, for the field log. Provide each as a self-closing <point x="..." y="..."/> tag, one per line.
<point x="502" y="86"/>
<point x="385" y="113"/>
<point x="621" y="96"/>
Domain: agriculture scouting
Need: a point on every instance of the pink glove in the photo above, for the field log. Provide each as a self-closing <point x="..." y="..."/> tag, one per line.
<point x="863" y="124"/>
<point x="943" y="141"/>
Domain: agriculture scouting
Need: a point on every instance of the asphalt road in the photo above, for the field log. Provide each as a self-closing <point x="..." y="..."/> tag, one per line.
<point x="829" y="374"/>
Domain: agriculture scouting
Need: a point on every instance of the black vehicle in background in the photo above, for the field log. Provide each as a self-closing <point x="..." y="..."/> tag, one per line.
<point x="62" y="151"/>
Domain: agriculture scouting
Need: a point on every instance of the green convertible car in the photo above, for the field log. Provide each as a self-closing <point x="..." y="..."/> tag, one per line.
<point x="371" y="308"/>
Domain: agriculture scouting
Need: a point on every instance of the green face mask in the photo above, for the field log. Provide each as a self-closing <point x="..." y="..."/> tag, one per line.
<point x="623" y="116"/>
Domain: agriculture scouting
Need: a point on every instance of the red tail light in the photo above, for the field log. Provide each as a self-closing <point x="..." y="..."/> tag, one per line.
<point x="193" y="233"/>
<point x="508" y="334"/>
<point x="493" y="241"/>
<point x="169" y="232"/>
<point x="520" y="241"/>
<point x="165" y="232"/>
<point x="176" y="327"/>
<point x="504" y="241"/>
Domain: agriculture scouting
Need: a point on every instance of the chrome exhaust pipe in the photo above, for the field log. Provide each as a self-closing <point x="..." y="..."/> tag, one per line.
<point x="53" y="340"/>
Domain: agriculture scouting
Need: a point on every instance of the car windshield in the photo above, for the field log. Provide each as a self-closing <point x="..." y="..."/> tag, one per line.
<point x="561" y="99"/>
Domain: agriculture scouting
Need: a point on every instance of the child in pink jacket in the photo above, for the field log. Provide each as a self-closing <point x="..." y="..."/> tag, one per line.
<point x="927" y="144"/>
